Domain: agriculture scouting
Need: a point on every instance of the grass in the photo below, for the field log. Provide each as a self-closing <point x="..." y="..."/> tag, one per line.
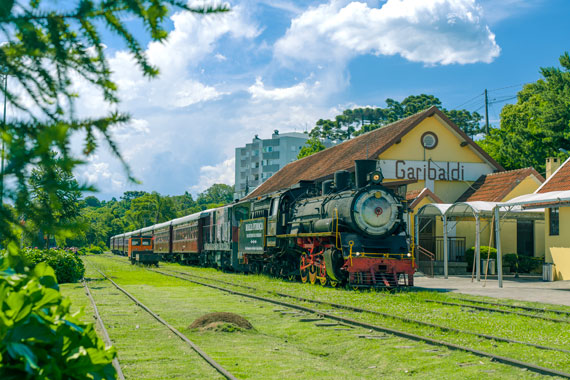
<point x="412" y="305"/>
<point x="280" y="346"/>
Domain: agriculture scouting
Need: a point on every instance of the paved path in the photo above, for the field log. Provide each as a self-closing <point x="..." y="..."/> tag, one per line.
<point x="531" y="289"/>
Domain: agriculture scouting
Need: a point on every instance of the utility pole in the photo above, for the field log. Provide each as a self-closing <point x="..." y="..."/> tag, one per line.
<point x="486" y="113"/>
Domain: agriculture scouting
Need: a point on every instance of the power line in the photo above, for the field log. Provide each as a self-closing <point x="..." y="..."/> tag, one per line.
<point x="503" y="88"/>
<point x="473" y="98"/>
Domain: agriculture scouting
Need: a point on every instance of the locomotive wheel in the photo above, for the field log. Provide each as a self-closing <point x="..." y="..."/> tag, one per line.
<point x="291" y="277"/>
<point x="304" y="272"/>
<point x="333" y="283"/>
<point x="312" y="274"/>
<point x="323" y="280"/>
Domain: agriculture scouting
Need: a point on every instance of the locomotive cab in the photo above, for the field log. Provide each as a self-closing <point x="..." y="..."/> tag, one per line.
<point x="141" y="250"/>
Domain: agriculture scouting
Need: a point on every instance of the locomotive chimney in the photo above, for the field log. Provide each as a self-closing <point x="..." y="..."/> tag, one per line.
<point x="361" y="170"/>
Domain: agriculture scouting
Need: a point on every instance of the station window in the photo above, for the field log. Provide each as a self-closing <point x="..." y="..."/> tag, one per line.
<point x="554" y="216"/>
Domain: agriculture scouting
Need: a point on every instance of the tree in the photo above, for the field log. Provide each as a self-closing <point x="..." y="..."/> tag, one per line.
<point x="91" y="201"/>
<point x="538" y="125"/>
<point x="218" y="193"/>
<point x="355" y="122"/>
<point x="312" y="145"/>
<point x="46" y="51"/>
<point x="151" y="209"/>
<point x="55" y="212"/>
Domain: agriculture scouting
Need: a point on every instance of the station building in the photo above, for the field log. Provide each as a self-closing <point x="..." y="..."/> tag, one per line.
<point x="427" y="159"/>
<point x="557" y="216"/>
<point x="554" y="196"/>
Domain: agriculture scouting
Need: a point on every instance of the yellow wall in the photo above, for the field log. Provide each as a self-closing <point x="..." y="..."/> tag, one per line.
<point x="558" y="247"/>
<point x="447" y="149"/>
<point x="449" y="191"/>
<point x="527" y="186"/>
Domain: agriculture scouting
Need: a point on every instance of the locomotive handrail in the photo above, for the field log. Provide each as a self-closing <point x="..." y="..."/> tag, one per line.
<point x="431" y="255"/>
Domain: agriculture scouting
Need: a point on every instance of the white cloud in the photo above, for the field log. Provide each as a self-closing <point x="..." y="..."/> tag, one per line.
<point x="220" y="173"/>
<point x="259" y="92"/>
<point x="220" y="57"/>
<point x="428" y="31"/>
<point x="192" y="40"/>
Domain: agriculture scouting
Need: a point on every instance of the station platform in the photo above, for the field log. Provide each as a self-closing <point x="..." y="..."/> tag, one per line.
<point x="524" y="288"/>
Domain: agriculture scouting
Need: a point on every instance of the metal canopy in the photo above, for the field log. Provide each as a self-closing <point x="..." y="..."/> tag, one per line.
<point x="481" y="210"/>
<point x="550" y="198"/>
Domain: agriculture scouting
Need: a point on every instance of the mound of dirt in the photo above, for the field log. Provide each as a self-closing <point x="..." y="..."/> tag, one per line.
<point x="221" y="322"/>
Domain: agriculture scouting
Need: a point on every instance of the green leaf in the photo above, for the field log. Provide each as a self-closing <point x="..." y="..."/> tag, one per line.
<point x="19" y="351"/>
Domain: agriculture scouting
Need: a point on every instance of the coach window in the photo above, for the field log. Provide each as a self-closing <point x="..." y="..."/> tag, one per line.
<point x="554" y="216"/>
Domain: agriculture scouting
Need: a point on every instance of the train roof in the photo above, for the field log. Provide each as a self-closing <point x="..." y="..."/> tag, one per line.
<point x="162" y="225"/>
<point x="146" y="229"/>
<point x="189" y="218"/>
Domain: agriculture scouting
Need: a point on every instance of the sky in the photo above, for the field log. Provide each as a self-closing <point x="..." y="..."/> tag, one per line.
<point x="284" y="64"/>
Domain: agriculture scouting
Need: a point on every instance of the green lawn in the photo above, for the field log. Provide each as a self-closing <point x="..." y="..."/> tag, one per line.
<point x="281" y="346"/>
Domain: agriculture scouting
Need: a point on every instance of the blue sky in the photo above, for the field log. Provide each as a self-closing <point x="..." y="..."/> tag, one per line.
<point x="283" y="65"/>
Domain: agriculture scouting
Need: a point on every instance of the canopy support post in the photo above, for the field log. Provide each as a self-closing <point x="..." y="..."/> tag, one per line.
<point x="478" y="246"/>
<point x="445" y="248"/>
<point x="498" y="242"/>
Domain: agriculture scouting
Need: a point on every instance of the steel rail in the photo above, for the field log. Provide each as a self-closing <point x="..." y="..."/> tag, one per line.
<point x="387" y="315"/>
<point x="399" y="333"/>
<point x="490" y="309"/>
<point x="106" y="337"/>
<point x="528" y="308"/>
<point x="197" y="349"/>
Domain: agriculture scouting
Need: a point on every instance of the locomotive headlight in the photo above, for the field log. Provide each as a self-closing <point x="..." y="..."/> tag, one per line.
<point x="376" y="177"/>
<point x="409" y="254"/>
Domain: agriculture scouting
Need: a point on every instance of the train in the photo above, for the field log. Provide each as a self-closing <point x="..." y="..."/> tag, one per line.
<point x="349" y="230"/>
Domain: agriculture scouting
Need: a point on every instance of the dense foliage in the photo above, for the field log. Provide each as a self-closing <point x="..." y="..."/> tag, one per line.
<point x="49" y="51"/>
<point x="39" y="337"/>
<point x="538" y="125"/>
<point x="67" y="265"/>
<point x="356" y="121"/>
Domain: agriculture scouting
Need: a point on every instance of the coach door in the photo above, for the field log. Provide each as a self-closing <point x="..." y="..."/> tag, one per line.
<point x="272" y="222"/>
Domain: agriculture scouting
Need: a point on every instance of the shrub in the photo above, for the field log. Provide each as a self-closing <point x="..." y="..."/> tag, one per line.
<point x="67" y="266"/>
<point x="484" y="249"/>
<point x="96" y="250"/>
<point x="511" y="260"/>
<point x="39" y="337"/>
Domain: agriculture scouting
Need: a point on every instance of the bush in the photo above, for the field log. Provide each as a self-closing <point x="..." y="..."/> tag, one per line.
<point x="511" y="260"/>
<point x="96" y="250"/>
<point x="67" y="266"/>
<point x="39" y="337"/>
<point x="484" y="249"/>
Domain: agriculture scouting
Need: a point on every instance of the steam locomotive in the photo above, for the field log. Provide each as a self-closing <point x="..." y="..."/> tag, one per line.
<point x="349" y="232"/>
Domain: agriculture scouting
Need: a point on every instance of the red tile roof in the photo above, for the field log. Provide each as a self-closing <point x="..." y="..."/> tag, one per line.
<point x="559" y="181"/>
<point x="342" y="156"/>
<point x="494" y="187"/>
<point x="416" y="196"/>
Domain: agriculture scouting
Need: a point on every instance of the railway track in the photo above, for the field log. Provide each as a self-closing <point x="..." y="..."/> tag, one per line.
<point x="374" y="312"/>
<point x="395" y="332"/>
<point x="355" y="323"/>
<point x="224" y="372"/>
<point x="106" y="337"/>
<point x="495" y="310"/>
<point x="527" y="308"/>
